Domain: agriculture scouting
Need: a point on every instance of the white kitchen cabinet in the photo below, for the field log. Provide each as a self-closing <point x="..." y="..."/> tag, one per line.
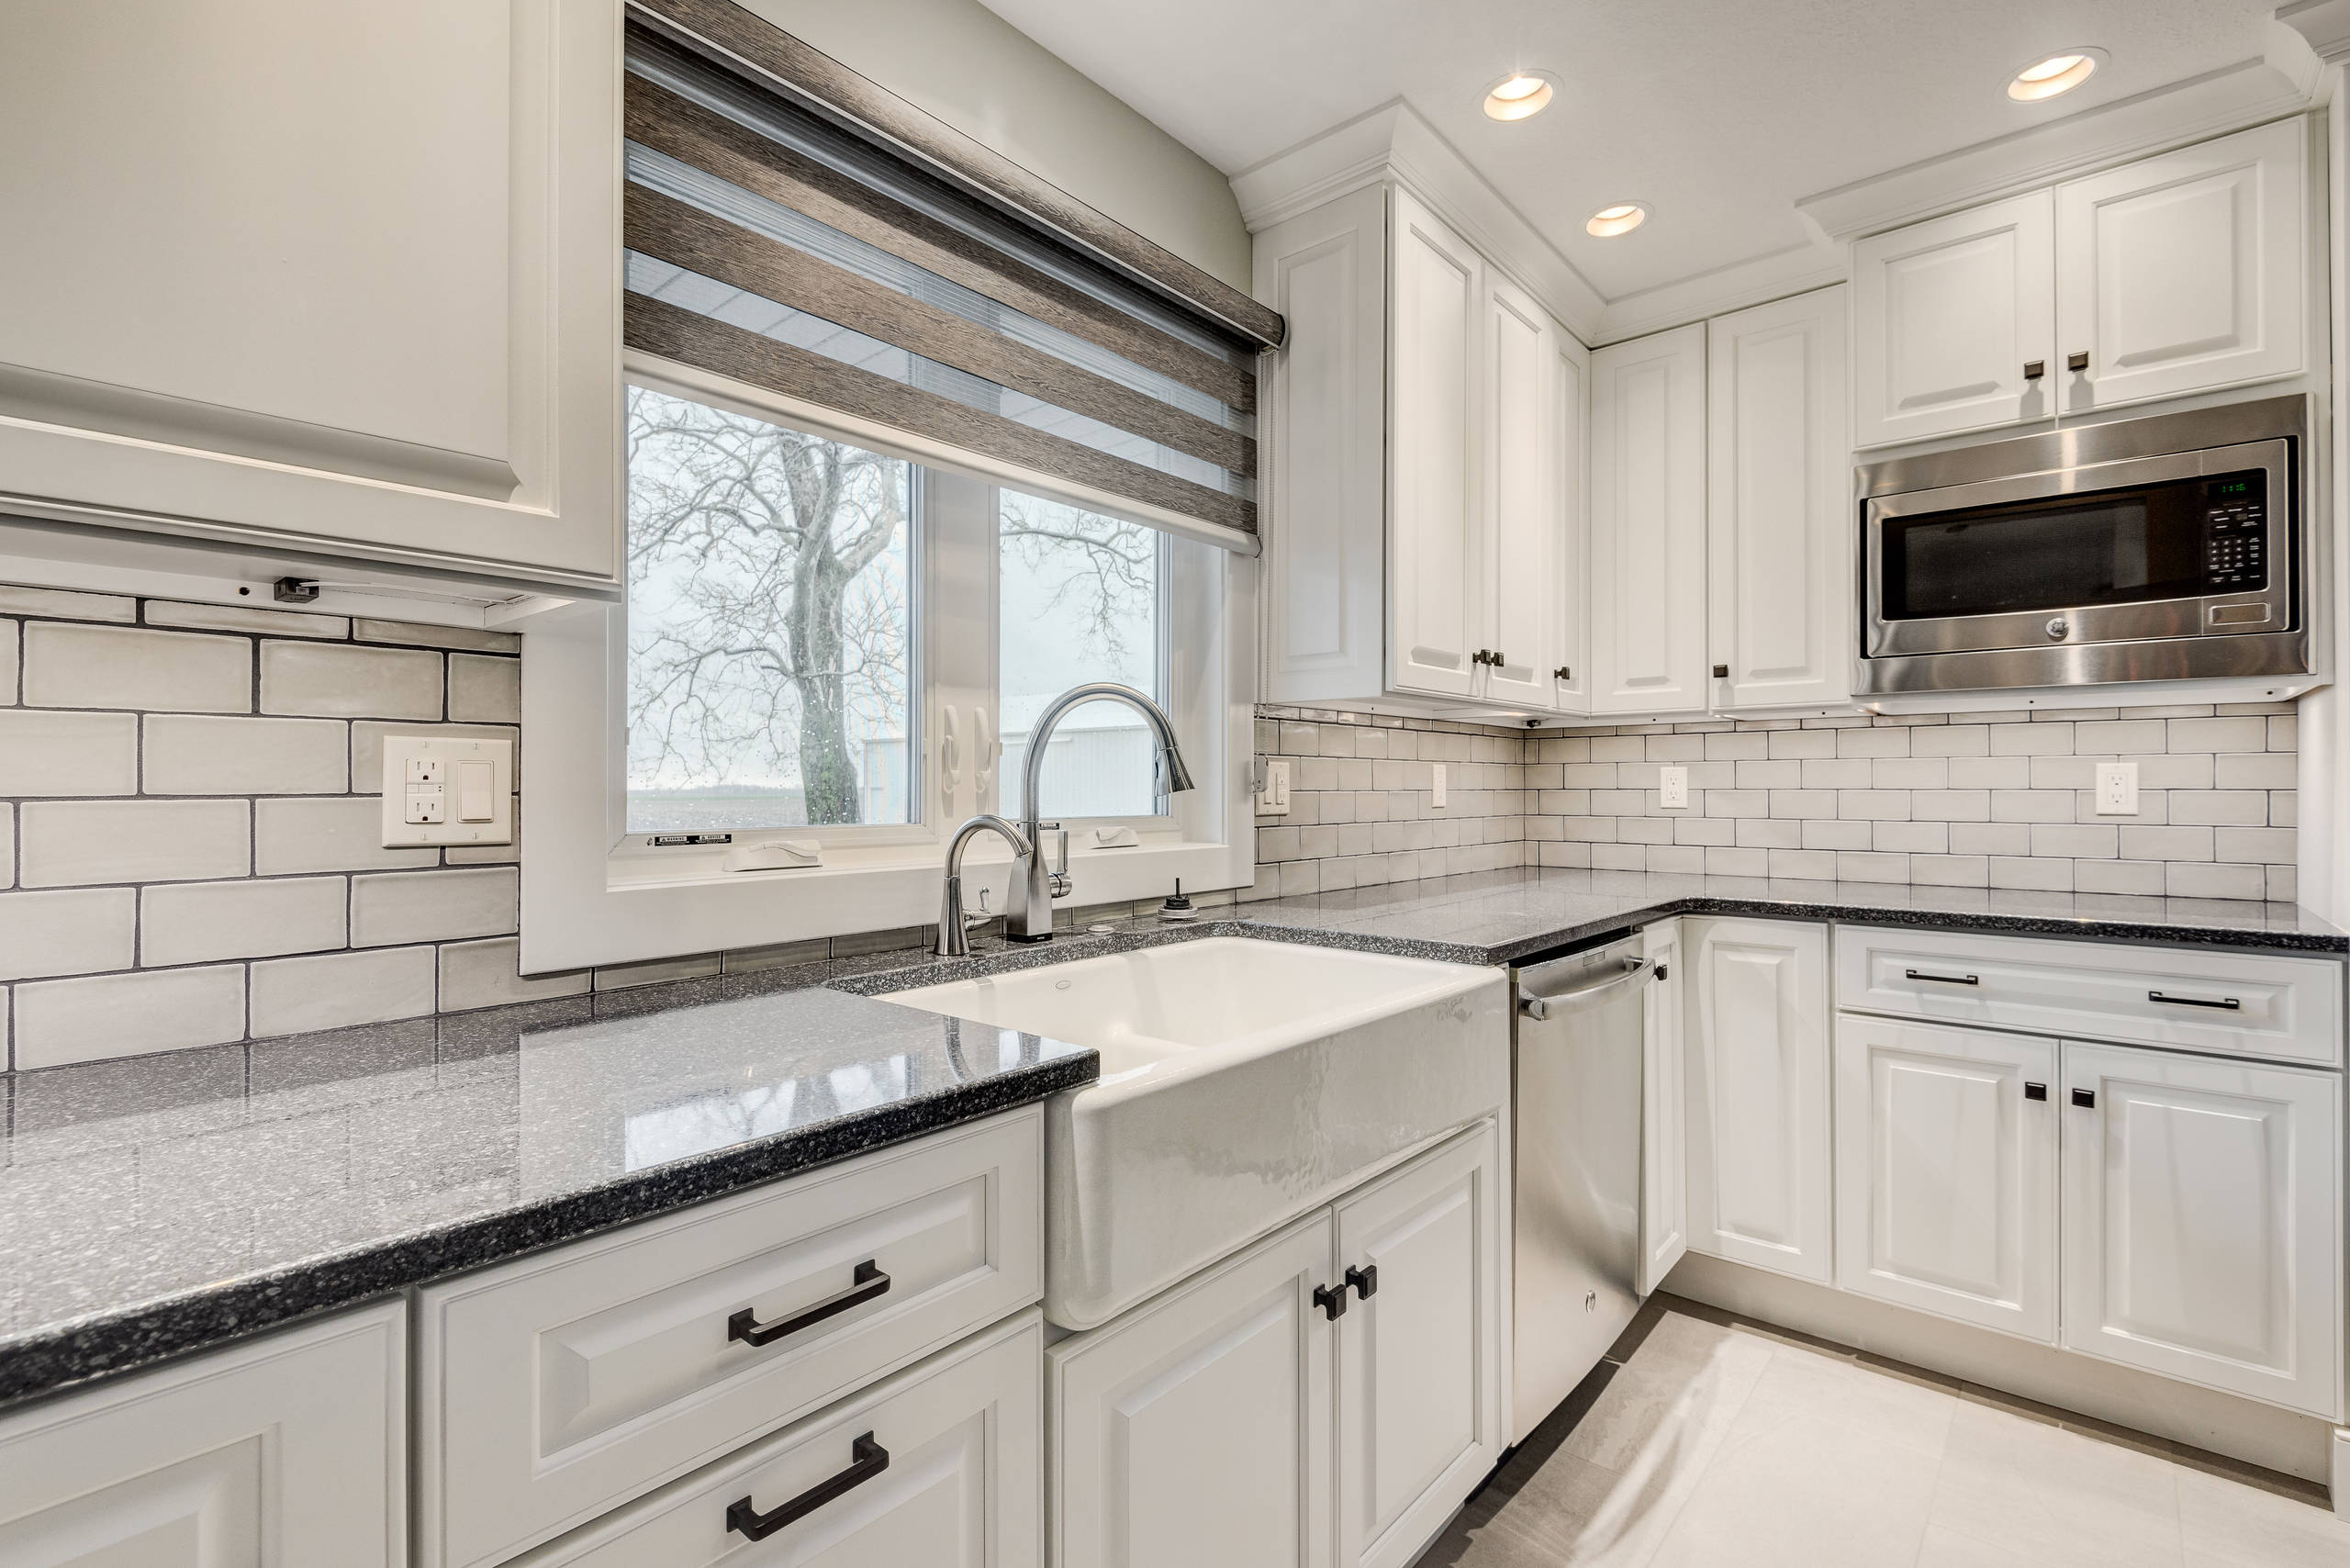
<point x="1779" y="516"/>
<point x="1946" y="1171"/>
<point x="2202" y="1221"/>
<point x="266" y="300"/>
<point x="1419" y="1352"/>
<point x="287" y="1450"/>
<point x="1757" y="1056"/>
<point x="1521" y="544"/>
<point x="1648" y="524"/>
<point x="1954" y="322"/>
<point x="1197" y="1428"/>
<point x="1571" y="503"/>
<point x="1435" y="584"/>
<point x="1664" y="1155"/>
<point x="2185" y="273"/>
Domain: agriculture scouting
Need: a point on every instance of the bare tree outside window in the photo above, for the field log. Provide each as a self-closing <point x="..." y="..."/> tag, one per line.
<point x="769" y="635"/>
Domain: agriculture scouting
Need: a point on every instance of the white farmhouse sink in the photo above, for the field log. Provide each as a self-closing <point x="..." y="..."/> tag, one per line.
<point x="1243" y="1083"/>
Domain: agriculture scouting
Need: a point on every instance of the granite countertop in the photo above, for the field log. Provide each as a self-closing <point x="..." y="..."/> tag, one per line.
<point x="153" y="1206"/>
<point x="150" y="1206"/>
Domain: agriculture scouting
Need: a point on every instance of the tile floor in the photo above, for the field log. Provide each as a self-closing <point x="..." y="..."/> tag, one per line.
<point x="1707" y="1442"/>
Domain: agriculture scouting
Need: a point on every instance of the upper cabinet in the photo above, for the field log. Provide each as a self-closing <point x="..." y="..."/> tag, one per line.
<point x="2180" y="273"/>
<point x="1648" y="524"/>
<point x="1422" y="462"/>
<point x="341" y="278"/>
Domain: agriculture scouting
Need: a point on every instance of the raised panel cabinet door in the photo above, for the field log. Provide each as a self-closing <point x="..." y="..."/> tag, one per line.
<point x="2202" y="1221"/>
<point x="1196" y="1429"/>
<point x="288" y="1450"/>
<point x="1779" y="514"/>
<point x="1570" y="499"/>
<point x="1758" y="1098"/>
<point x="1419" y="1347"/>
<point x="277" y="303"/>
<point x="1323" y="451"/>
<point x="1954" y="323"/>
<point x="1946" y="1171"/>
<point x="1664" y="1145"/>
<point x="1648" y="524"/>
<point x="1436" y="562"/>
<point x="2185" y="273"/>
<point x="1522" y="541"/>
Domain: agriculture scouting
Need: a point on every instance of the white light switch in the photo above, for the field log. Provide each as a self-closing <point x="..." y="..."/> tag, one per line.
<point x="447" y="790"/>
<point x="2117" y="788"/>
<point x="1673" y="789"/>
<point x="1272" y="801"/>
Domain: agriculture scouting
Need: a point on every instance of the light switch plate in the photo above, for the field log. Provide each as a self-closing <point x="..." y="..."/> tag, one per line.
<point x="1272" y="801"/>
<point x="1673" y="787"/>
<point x="2117" y="788"/>
<point x="447" y="790"/>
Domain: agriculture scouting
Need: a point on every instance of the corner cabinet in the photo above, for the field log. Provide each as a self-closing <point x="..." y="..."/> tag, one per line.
<point x="2180" y="273"/>
<point x="1423" y="467"/>
<point x="281" y="310"/>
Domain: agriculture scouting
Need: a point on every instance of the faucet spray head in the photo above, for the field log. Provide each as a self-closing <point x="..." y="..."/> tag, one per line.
<point x="1176" y="776"/>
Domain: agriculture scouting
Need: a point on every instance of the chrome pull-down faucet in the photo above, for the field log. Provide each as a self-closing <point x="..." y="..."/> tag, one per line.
<point x="1028" y="915"/>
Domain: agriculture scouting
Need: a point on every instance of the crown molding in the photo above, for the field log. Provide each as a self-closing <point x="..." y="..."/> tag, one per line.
<point x="2325" y="24"/>
<point x="1797" y="270"/>
<point x="1393" y="143"/>
<point x="2230" y="98"/>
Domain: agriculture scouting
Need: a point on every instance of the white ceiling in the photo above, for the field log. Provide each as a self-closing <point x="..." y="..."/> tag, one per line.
<point x="1718" y="114"/>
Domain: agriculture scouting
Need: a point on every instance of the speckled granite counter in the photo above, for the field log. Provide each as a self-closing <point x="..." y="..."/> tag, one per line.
<point x="155" y="1206"/>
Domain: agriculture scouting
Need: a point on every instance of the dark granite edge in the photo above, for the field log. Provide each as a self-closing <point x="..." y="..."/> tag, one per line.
<point x="98" y="1346"/>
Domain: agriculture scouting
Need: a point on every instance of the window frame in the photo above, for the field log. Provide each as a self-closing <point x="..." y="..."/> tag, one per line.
<point x="593" y="893"/>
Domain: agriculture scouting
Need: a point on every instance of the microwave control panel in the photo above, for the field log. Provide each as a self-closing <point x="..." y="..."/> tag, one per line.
<point x="2235" y="533"/>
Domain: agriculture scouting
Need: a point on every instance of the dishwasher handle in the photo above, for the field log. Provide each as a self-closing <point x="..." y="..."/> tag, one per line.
<point x="1538" y="1007"/>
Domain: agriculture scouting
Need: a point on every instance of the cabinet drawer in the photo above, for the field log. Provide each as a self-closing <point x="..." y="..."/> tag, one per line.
<point x="2251" y="1004"/>
<point x="554" y="1387"/>
<point x="943" y="1463"/>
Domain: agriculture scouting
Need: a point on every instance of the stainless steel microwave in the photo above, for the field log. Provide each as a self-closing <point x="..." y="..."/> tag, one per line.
<point x="2163" y="548"/>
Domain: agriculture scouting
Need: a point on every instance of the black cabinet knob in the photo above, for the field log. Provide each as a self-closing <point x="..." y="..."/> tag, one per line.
<point x="1332" y="1300"/>
<point x="1365" y="1280"/>
<point x="2077" y="360"/>
<point x="2035" y="1091"/>
<point x="1722" y="672"/>
<point x="2033" y="369"/>
<point x="2085" y="1098"/>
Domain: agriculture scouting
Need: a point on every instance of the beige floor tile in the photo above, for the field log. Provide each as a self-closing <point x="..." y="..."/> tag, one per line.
<point x="1947" y="1548"/>
<point x="2228" y="1522"/>
<point x="2056" y="1496"/>
<point x="1663" y="1408"/>
<point x="1887" y="1409"/>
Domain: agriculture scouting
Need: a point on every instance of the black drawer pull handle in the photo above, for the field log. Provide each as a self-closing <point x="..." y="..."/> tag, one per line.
<point x="2035" y="1091"/>
<point x="1333" y="1302"/>
<point x="867" y="1283"/>
<point x="1941" y="980"/>
<point x="867" y="1459"/>
<point x="2226" y="1003"/>
<point x="2085" y="1098"/>
<point x="1365" y="1280"/>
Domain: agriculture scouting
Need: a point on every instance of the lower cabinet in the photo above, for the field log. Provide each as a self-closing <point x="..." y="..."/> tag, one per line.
<point x="288" y="1451"/>
<point x="1664" y="1143"/>
<point x="936" y="1465"/>
<point x="2202" y="1221"/>
<point x="1347" y="1369"/>
<point x="1946" y="1171"/>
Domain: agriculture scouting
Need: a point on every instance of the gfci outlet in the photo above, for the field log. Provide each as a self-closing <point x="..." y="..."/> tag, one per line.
<point x="2117" y="788"/>
<point x="438" y="790"/>
<point x="1673" y="789"/>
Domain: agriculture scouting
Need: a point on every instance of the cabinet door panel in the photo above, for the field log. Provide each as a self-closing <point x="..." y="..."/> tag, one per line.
<point x="1434" y="561"/>
<point x="1420" y="1358"/>
<point x="1780" y="515"/>
<point x="1946" y="1171"/>
<point x="1197" y="1428"/>
<point x="1946" y="317"/>
<point x="2202" y="1214"/>
<point x="2185" y="273"/>
<point x="1570" y="495"/>
<point x="1664" y="1150"/>
<point x="1757" y="1060"/>
<point x="1521" y="535"/>
<point x="1648" y="524"/>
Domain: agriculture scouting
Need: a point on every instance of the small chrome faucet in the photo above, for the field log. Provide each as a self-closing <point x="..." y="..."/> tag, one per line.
<point x="1028" y="916"/>
<point x="954" y="930"/>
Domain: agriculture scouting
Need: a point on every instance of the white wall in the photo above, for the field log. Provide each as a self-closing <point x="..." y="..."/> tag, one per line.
<point x="962" y="62"/>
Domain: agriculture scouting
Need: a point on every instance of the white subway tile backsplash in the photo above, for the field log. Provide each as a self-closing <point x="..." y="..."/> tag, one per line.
<point x="2228" y="808"/>
<point x="2255" y="770"/>
<point x="244" y="618"/>
<point x="334" y="990"/>
<point x="71" y="931"/>
<point x="65" y="1020"/>
<point x="7" y="845"/>
<point x="67" y="606"/>
<point x="2144" y="877"/>
<point x="367" y="746"/>
<point x="186" y="755"/>
<point x="415" y="634"/>
<point x="68" y="753"/>
<point x="326" y="833"/>
<point x="343" y="680"/>
<point x="72" y="666"/>
<point x="485" y="690"/>
<point x="2218" y="734"/>
<point x="432" y="906"/>
<point x="194" y="922"/>
<point x="2191" y="879"/>
<point x="1951" y="870"/>
<point x="8" y="643"/>
<point x="74" y="843"/>
<point x="483" y="974"/>
<point x="2048" y="876"/>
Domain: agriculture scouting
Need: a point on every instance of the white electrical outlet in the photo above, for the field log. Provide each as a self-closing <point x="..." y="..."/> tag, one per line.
<point x="2117" y="788"/>
<point x="1673" y="787"/>
<point x="1438" y="787"/>
<point x="1272" y="801"/>
<point x="440" y="789"/>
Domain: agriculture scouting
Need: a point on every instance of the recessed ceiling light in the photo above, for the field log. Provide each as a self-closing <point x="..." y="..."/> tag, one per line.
<point x="1620" y="219"/>
<point x="2056" y="74"/>
<point x="1520" y="94"/>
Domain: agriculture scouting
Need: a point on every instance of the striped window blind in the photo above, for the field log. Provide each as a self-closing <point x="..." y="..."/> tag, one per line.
<point x="790" y="225"/>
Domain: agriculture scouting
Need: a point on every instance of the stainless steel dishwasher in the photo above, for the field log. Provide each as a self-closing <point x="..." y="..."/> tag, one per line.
<point x="1581" y="1022"/>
